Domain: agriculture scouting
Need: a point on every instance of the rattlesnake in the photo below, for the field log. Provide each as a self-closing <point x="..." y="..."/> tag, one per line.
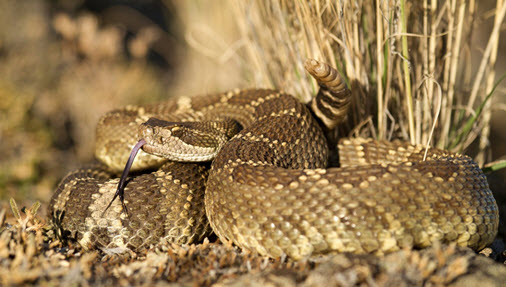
<point x="268" y="188"/>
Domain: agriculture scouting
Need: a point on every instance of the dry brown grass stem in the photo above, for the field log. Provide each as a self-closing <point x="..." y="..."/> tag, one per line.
<point x="407" y="77"/>
<point x="451" y="69"/>
<point x="489" y="54"/>
<point x="484" y="142"/>
<point x="379" y="80"/>
<point x="385" y="50"/>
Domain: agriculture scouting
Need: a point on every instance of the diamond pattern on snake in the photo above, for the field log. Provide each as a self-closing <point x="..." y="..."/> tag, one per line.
<point x="252" y="167"/>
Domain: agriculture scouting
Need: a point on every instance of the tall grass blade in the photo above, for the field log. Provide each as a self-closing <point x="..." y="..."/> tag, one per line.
<point x="472" y="120"/>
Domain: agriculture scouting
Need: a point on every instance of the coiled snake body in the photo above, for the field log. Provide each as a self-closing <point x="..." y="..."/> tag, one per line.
<point x="268" y="188"/>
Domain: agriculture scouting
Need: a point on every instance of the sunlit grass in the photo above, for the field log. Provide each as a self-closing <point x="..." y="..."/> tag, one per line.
<point x="409" y="63"/>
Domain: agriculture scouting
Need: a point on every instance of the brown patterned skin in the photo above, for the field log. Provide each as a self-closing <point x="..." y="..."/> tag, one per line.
<point x="164" y="205"/>
<point x="268" y="188"/>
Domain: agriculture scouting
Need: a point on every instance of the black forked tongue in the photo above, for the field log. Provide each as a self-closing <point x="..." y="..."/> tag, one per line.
<point x="122" y="181"/>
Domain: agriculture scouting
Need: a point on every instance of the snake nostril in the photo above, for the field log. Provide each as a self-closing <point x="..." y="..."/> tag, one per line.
<point x="145" y="132"/>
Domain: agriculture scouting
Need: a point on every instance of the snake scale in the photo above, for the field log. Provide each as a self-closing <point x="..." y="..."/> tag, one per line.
<point x="258" y="176"/>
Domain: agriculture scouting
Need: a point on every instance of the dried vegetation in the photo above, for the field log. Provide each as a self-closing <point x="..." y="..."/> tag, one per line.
<point x="30" y="254"/>
<point x="412" y="65"/>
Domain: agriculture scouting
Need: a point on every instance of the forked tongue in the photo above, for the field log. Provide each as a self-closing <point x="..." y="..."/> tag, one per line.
<point x="120" y="191"/>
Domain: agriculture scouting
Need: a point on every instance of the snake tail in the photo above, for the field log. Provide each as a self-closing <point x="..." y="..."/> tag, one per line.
<point x="333" y="99"/>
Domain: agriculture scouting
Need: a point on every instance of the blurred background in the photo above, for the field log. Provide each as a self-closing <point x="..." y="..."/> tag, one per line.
<point x="65" y="63"/>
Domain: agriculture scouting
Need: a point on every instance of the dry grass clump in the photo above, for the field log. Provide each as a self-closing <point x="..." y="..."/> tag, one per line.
<point x="413" y="56"/>
<point x="411" y="64"/>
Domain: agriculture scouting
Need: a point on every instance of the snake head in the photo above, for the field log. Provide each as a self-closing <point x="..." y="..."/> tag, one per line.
<point x="186" y="141"/>
<point x="178" y="141"/>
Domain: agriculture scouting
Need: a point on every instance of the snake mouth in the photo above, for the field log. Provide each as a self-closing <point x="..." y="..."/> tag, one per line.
<point x="120" y="191"/>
